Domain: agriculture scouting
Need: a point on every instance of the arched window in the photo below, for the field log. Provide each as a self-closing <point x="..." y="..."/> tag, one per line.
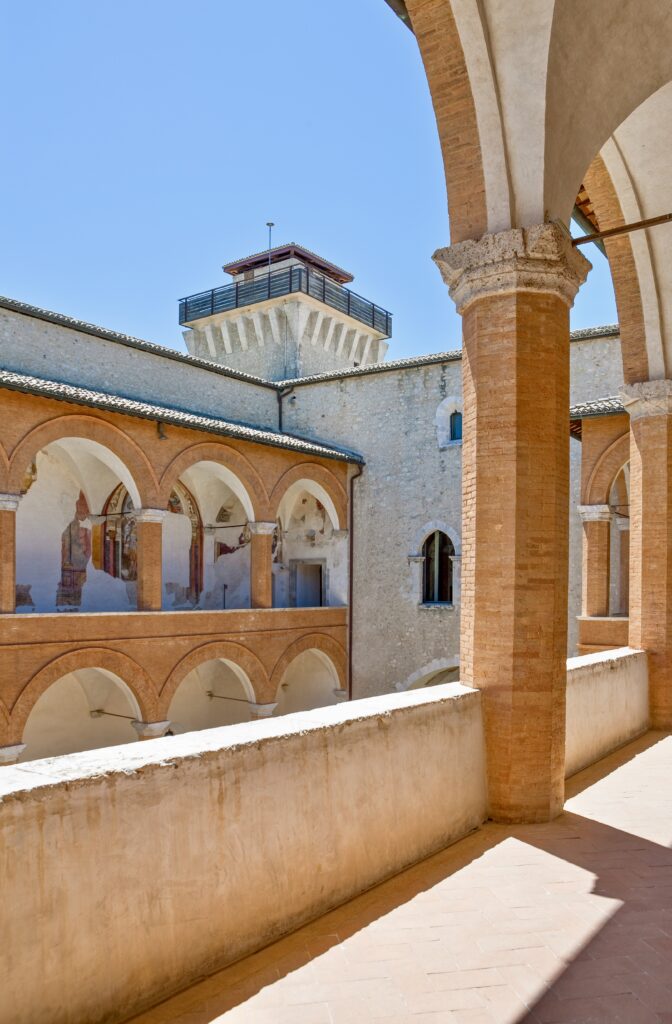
<point x="438" y="569"/>
<point x="456" y="426"/>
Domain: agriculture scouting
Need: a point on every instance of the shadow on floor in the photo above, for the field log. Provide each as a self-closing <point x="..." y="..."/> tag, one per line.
<point x="617" y="971"/>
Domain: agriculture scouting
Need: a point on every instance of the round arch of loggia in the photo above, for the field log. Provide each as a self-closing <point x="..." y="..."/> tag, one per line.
<point x="325" y="646"/>
<point x="230" y="466"/>
<point x="317" y="481"/>
<point x="244" y="663"/>
<point x="109" y="444"/>
<point x="113" y="663"/>
<point x="606" y="469"/>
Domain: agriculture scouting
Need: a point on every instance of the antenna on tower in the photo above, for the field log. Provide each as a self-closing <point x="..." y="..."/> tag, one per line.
<point x="270" y="225"/>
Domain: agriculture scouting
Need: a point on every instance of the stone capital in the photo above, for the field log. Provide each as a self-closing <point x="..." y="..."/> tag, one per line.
<point x="150" y="730"/>
<point x="11" y="754"/>
<point x="622" y="522"/>
<point x="415" y="558"/>
<point x="261" y="710"/>
<point x="537" y="259"/>
<point x="594" y="513"/>
<point x="340" y="694"/>
<point x="149" y="515"/>
<point x="262" y="529"/>
<point x="647" y="398"/>
<point x="9" y="502"/>
<point x="340" y="534"/>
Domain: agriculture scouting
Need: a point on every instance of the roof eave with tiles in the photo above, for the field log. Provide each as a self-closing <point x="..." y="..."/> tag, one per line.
<point x="63" y="392"/>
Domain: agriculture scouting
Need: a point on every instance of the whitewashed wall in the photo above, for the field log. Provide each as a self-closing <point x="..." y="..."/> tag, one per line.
<point x="607" y="704"/>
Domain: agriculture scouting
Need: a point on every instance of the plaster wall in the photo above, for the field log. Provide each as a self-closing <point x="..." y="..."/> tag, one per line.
<point x="607" y="704"/>
<point x="140" y="907"/>
<point x="32" y="346"/>
<point x="310" y="536"/>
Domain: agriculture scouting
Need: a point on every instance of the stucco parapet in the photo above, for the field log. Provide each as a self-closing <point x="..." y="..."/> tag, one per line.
<point x="9" y="502"/>
<point x="594" y="513"/>
<point x="647" y="398"/>
<point x="537" y="259"/>
<point x="262" y="529"/>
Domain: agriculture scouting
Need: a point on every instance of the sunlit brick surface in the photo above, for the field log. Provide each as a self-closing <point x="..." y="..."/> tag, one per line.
<point x="569" y="921"/>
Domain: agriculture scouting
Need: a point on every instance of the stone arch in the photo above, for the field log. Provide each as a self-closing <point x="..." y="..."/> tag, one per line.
<point x="241" y="660"/>
<point x="5" y="724"/>
<point x="4" y="470"/>
<point x="245" y="482"/>
<point x="318" y="481"/>
<point x="437" y="524"/>
<point x="456" y="117"/>
<point x="129" y="671"/>
<point x="320" y="642"/>
<point x="602" y="194"/>
<point x="606" y="469"/>
<point x="93" y="429"/>
<point x="427" y="671"/>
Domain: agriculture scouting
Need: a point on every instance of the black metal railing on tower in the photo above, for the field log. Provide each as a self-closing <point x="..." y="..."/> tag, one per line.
<point x="285" y="282"/>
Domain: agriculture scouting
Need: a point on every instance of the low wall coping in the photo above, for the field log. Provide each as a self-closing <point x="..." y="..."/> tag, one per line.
<point x="28" y="779"/>
<point x="586" y="661"/>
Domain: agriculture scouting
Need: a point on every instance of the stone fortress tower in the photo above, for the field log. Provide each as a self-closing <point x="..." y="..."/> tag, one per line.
<point x="286" y="314"/>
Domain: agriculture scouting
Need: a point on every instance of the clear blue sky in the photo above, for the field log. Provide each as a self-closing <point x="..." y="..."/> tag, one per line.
<point x="148" y="142"/>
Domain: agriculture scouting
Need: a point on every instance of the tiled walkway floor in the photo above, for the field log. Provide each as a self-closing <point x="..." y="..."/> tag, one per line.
<point x="570" y="921"/>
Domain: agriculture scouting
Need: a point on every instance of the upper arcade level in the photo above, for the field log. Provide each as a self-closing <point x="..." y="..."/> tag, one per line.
<point x="286" y="314"/>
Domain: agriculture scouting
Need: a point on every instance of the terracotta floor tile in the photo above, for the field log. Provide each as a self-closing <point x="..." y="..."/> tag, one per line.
<point x="569" y="922"/>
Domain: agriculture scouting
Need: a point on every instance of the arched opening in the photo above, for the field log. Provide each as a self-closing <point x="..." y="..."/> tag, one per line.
<point x="310" y="556"/>
<point x="310" y="681"/>
<point x="206" y="562"/>
<point x="83" y="710"/>
<point x="438" y="553"/>
<point x="215" y="693"/>
<point x="619" y="560"/>
<point x="65" y="492"/>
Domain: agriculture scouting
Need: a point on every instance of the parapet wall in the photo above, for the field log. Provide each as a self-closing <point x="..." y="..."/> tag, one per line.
<point x="130" y="872"/>
<point x="607" y="704"/>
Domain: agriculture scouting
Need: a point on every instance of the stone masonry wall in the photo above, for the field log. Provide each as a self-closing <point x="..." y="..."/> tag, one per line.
<point x="55" y="352"/>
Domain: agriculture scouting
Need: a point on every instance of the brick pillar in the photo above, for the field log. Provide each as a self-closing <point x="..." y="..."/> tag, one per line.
<point x="8" y="506"/>
<point x="596" y="521"/>
<point x="261" y="565"/>
<point x="623" y="525"/>
<point x="650" y="408"/>
<point x="514" y="290"/>
<point x="149" y="525"/>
